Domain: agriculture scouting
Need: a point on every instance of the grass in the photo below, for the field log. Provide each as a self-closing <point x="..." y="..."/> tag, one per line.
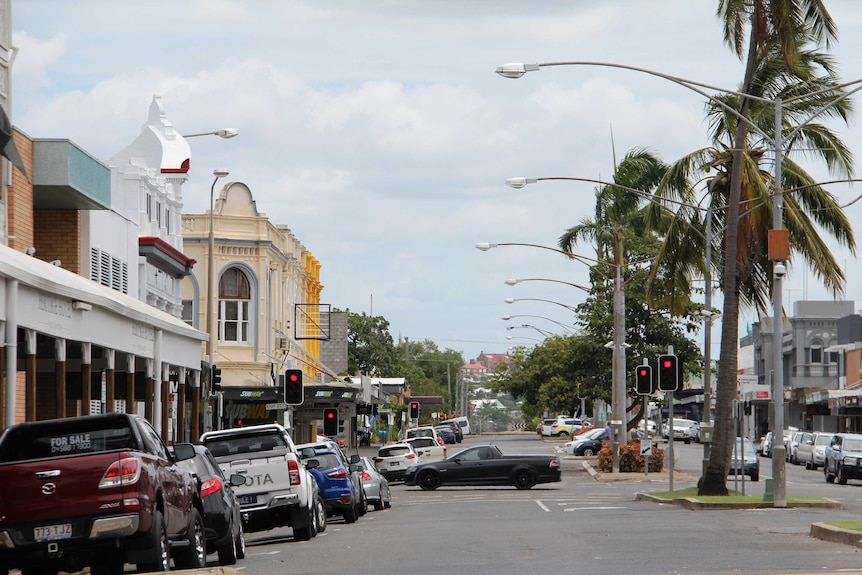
<point x="851" y="525"/>
<point x="733" y="497"/>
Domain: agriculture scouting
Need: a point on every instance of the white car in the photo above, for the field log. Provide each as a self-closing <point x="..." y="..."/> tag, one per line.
<point x="424" y="431"/>
<point x="427" y="448"/>
<point x="394" y="460"/>
<point x="682" y="429"/>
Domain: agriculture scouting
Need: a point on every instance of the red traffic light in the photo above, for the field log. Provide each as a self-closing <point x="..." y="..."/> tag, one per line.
<point x="292" y="376"/>
<point x="330" y="415"/>
<point x="643" y="372"/>
<point x="667" y="363"/>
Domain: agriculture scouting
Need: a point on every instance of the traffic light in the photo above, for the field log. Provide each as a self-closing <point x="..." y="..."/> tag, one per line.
<point x="668" y="377"/>
<point x="643" y="380"/>
<point x="216" y="379"/>
<point x="414" y="410"/>
<point x="330" y="422"/>
<point x="293" y="394"/>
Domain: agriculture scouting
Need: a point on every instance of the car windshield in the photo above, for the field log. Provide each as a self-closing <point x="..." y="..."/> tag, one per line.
<point x="420" y="433"/>
<point x="745" y="444"/>
<point x="594" y="434"/>
<point x="853" y="445"/>
<point x="423" y="442"/>
<point x="325" y="460"/>
<point x="823" y="440"/>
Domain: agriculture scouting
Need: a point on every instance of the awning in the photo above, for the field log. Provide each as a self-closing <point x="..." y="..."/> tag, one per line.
<point x="62" y="304"/>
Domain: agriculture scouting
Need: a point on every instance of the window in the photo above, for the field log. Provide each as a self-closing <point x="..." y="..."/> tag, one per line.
<point x="188" y="309"/>
<point x="816" y="354"/>
<point x="233" y="314"/>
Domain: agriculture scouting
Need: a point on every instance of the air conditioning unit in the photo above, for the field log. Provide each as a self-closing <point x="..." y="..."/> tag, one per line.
<point x="281" y="343"/>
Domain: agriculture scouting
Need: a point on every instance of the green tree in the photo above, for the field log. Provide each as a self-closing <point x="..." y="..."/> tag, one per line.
<point x="370" y="348"/>
<point x="775" y="28"/>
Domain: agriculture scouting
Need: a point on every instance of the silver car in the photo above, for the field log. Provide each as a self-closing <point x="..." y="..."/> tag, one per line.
<point x="376" y="486"/>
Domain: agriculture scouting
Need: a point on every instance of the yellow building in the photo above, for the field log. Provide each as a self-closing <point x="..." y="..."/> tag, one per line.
<point x="267" y="299"/>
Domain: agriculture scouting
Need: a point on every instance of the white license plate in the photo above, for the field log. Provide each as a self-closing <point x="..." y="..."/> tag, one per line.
<point x="247" y="499"/>
<point x="52" y="532"/>
<point x="394" y="464"/>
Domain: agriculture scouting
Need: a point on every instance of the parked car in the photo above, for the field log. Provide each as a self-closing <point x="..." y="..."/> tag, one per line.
<point x="424" y="431"/>
<point x="221" y="511"/>
<point x="464" y="423"/>
<point x="375" y="485"/>
<point x="427" y="448"/>
<point x="744" y="460"/>
<point x="843" y="458"/>
<point x="447" y="434"/>
<point x="793" y="447"/>
<point x="455" y="427"/>
<point x="766" y="445"/>
<point x="363" y="436"/>
<point x="394" y="460"/>
<point x="546" y="424"/>
<point x="326" y="444"/>
<point x="681" y="429"/>
<point x="485" y="465"/>
<point x="564" y="427"/>
<point x="340" y="495"/>
<point x="587" y="444"/>
<point x="812" y="452"/>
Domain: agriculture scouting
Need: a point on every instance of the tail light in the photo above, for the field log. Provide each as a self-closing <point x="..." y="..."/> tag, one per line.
<point x="555" y="463"/>
<point x="293" y="472"/>
<point x="410" y="456"/>
<point x="210" y="486"/>
<point x="123" y="472"/>
<point x="339" y="473"/>
<point x="366" y="476"/>
<point x="378" y="459"/>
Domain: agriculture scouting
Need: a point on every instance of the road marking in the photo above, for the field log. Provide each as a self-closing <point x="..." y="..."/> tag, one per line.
<point x="542" y="505"/>
<point x="591" y="508"/>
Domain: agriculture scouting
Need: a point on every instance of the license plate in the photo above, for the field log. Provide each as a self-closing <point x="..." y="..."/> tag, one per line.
<point x="394" y="464"/>
<point x="52" y="532"/>
<point x="247" y="499"/>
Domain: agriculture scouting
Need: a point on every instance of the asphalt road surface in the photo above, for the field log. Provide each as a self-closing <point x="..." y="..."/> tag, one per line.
<point x="580" y="525"/>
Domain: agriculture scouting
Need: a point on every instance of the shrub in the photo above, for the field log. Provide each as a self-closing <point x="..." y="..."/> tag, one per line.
<point x="631" y="461"/>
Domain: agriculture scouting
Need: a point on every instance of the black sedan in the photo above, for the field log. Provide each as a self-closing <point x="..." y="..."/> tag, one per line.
<point x="485" y="465"/>
<point x="222" y="520"/>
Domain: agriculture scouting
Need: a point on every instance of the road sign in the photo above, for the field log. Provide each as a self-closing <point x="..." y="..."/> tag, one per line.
<point x="646" y="446"/>
<point x="271" y="406"/>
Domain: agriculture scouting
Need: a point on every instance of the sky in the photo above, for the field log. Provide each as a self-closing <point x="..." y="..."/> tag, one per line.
<point x="378" y="132"/>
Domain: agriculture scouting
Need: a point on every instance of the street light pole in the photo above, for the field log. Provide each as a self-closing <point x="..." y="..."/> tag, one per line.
<point x="778" y="245"/>
<point x="211" y="308"/>
<point x="559" y="323"/>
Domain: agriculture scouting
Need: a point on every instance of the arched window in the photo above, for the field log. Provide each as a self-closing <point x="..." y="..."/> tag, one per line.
<point x="234" y="296"/>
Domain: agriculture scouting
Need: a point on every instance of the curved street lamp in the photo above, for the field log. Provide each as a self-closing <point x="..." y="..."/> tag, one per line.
<point x="778" y="248"/>
<point x="543" y="332"/>
<point x="561" y="324"/>
<point x="516" y="281"/>
<point x="514" y="299"/>
<point x="223" y="133"/>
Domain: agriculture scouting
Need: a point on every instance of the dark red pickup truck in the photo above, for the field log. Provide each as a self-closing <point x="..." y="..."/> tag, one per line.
<point x="98" y="491"/>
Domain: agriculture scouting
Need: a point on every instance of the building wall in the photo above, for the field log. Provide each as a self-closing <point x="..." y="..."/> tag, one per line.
<point x="334" y="353"/>
<point x="20" y="204"/>
<point x="57" y="233"/>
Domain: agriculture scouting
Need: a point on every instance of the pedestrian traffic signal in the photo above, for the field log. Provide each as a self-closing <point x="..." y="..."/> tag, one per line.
<point x="330" y="422"/>
<point x="668" y="377"/>
<point x="216" y="373"/>
<point x="414" y="410"/>
<point x="293" y="394"/>
<point x="643" y="380"/>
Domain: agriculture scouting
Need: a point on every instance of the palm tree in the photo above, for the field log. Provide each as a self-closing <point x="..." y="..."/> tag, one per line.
<point x="776" y="65"/>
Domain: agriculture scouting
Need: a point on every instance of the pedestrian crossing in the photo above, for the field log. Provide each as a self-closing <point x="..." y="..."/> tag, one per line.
<point x="546" y="502"/>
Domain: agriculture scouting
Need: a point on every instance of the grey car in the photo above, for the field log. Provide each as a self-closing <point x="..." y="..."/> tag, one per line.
<point x="376" y="486"/>
<point x="843" y="458"/>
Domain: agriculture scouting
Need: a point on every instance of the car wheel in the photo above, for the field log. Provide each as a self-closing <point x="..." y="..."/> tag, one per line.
<point x="349" y="514"/>
<point x="240" y="543"/>
<point x="161" y="559"/>
<point x="842" y="475"/>
<point x="320" y="515"/>
<point x="687" y="441"/>
<point x="306" y="515"/>
<point x="194" y="554"/>
<point x="755" y="476"/>
<point x="564" y="434"/>
<point x="523" y="479"/>
<point x="829" y="477"/>
<point x="387" y="503"/>
<point x="808" y="465"/>
<point x="588" y="451"/>
<point x="363" y="504"/>
<point x="428" y="480"/>
<point x="227" y="552"/>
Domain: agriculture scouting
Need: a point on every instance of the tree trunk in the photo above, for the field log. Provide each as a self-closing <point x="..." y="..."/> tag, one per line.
<point x="714" y="480"/>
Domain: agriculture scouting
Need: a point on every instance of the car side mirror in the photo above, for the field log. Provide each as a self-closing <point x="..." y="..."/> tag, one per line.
<point x="183" y="451"/>
<point x="354" y="458"/>
<point x="354" y="467"/>
<point x="312" y="463"/>
<point x="457" y="460"/>
<point x="237" y="480"/>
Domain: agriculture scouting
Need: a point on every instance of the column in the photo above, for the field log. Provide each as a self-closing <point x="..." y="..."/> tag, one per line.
<point x="60" y="376"/>
<point x="86" y="377"/>
<point x="30" y="371"/>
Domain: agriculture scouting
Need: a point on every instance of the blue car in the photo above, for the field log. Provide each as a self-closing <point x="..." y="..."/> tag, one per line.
<point x="340" y="496"/>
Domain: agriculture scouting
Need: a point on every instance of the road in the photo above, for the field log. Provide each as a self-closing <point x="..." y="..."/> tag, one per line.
<point x="579" y="525"/>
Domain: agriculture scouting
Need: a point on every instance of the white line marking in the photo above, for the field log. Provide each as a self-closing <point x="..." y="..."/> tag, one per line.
<point x="542" y="505"/>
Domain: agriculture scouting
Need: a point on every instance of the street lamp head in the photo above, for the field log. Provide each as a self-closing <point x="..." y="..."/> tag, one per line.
<point x="779" y="270"/>
<point x="710" y="313"/>
<point x="509" y="300"/>
<point x="515" y="70"/>
<point x="507" y="317"/>
<point x="511" y="282"/>
<point x="227" y="133"/>
<point x="220" y="173"/>
<point x="519" y="182"/>
<point x="484" y="247"/>
<point x="511" y="327"/>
